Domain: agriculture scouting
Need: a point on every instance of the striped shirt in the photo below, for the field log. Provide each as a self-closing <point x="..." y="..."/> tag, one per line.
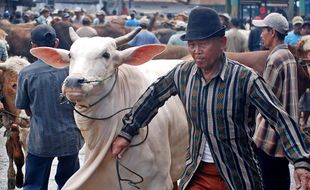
<point x="221" y="111"/>
<point x="281" y="76"/>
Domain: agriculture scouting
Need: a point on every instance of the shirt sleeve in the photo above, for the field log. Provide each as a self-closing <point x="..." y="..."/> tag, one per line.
<point x="295" y="143"/>
<point x="148" y="104"/>
<point x="22" y="98"/>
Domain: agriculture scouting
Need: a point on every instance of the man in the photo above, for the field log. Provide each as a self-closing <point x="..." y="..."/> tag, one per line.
<point x="100" y="18"/>
<point x="86" y="30"/>
<point x="144" y="36"/>
<point x="254" y="42"/>
<point x="175" y="39"/>
<point x="219" y="96"/>
<point x="44" y="15"/>
<point x="305" y="30"/>
<point x="281" y="76"/>
<point x="294" y="36"/>
<point x="132" y="21"/>
<point x="78" y="16"/>
<point x="53" y="132"/>
<point x="236" y="41"/>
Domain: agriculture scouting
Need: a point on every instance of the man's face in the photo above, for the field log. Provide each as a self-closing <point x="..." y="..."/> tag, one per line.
<point x="297" y="28"/>
<point x="206" y="52"/>
<point x="305" y="30"/>
<point x="266" y="36"/>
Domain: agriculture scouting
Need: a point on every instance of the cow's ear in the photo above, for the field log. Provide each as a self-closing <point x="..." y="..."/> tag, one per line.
<point x="58" y="58"/>
<point x="141" y="54"/>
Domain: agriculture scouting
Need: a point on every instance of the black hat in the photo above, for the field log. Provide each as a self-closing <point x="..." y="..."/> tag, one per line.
<point x="43" y="35"/>
<point x="203" y="23"/>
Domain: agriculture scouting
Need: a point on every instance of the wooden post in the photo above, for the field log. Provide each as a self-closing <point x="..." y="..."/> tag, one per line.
<point x="302" y="7"/>
<point x="234" y="8"/>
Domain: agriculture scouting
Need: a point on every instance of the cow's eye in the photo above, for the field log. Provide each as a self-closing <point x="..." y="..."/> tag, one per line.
<point x="106" y="55"/>
<point x="69" y="55"/>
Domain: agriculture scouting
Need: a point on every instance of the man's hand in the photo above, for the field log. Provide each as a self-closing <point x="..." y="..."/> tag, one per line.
<point x="119" y="147"/>
<point x="302" y="179"/>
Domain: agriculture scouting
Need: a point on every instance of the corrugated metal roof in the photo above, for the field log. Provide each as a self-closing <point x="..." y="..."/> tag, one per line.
<point x="196" y="2"/>
<point x="77" y="1"/>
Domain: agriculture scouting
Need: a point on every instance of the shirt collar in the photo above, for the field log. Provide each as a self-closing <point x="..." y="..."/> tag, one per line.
<point x="280" y="46"/>
<point x="221" y="72"/>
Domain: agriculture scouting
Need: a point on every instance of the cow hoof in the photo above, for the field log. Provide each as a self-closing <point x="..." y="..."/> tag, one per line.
<point x="19" y="179"/>
<point x="11" y="184"/>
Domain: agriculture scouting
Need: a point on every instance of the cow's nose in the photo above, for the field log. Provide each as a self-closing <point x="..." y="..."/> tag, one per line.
<point x="74" y="82"/>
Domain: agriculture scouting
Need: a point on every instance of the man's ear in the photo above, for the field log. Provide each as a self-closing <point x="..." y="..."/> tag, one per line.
<point x="56" y="43"/>
<point x="223" y="42"/>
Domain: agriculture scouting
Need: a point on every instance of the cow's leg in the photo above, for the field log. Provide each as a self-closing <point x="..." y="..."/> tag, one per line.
<point x="175" y="186"/>
<point x="11" y="171"/>
<point x="18" y="155"/>
<point x="19" y="162"/>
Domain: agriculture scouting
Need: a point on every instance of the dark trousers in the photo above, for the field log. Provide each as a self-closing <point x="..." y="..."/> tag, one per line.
<point x="38" y="171"/>
<point x="275" y="171"/>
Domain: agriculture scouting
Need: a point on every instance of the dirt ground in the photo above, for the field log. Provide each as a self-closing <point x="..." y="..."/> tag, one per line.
<point x="52" y="184"/>
<point x="4" y="165"/>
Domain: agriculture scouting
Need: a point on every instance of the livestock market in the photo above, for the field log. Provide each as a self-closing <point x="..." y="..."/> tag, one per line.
<point x="155" y="94"/>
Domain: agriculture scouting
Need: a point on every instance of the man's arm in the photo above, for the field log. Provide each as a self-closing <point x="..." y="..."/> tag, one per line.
<point x="143" y="111"/>
<point x="295" y="143"/>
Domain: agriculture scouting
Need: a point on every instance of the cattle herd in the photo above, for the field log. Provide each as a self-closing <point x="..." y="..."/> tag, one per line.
<point x="122" y="91"/>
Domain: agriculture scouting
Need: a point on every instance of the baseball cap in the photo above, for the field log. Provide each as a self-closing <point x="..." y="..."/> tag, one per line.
<point x="101" y="12"/>
<point x="43" y="35"/>
<point x="65" y="15"/>
<point x="275" y="21"/>
<point x="297" y="20"/>
<point x="180" y="25"/>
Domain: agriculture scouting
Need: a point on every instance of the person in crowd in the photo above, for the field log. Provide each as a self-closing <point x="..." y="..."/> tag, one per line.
<point x="17" y="18"/>
<point x="236" y="41"/>
<point x="254" y="42"/>
<point x="27" y="16"/>
<point x="86" y="30"/>
<point x="7" y="15"/>
<point x="225" y="20"/>
<point x="175" y="39"/>
<point x="220" y="97"/>
<point x="100" y="18"/>
<point x="78" y="16"/>
<point x="305" y="29"/>
<point x="281" y="76"/>
<point x="43" y="18"/>
<point x="53" y="131"/>
<point x="304" y="102"/>
<point x="4" y="46"/>
<point x="132" y="21"/>
<point x="144" y="36"/>
<point x="66" y="17"/>
<point x="294" y="36"/>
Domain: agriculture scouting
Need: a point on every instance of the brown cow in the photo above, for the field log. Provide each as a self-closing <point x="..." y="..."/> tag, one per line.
<point x="18" y="38"/>
<point x="14" y="120"/>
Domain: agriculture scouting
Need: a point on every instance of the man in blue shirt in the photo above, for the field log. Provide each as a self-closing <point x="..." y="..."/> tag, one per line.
<point x="132" y="22"/>
<point x="294" y="36"/>
<point x="144" y="36"/>
<point x="53" y="132"/>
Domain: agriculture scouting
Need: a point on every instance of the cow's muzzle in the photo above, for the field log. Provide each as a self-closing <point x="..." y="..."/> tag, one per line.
<point x="74" y="82"/>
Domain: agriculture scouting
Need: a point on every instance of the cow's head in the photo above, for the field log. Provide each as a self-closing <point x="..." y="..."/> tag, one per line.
<point x="9" y="71"/>
<point x="93" y="61"/>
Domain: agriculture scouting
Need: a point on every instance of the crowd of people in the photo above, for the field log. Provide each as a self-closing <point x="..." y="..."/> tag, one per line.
<point x="219" y="95"/>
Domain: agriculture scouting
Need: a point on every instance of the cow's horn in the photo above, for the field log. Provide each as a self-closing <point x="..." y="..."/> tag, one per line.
<point x="127" y="37"/>
<point x="73" y="35"/>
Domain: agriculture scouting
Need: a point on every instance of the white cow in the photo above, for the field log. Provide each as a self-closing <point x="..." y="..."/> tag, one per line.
<point x="102" y="81"/>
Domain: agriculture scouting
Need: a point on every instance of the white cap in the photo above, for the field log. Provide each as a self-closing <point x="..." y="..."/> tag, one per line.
<point x="275" y="21"/>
